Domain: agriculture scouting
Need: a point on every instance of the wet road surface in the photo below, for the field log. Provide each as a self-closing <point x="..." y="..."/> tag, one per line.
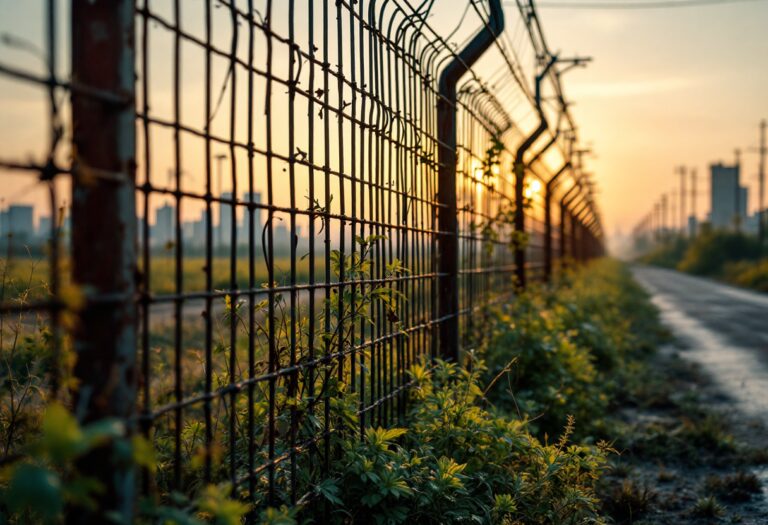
<point x="724" y="329"/>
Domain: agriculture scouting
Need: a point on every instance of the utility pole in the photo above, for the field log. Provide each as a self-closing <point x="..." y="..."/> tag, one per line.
<point x="737" y="201"/>
<point x="761" y="178"/>
<point x="693" y="201"/>
<point x="664" y="216"/>
<point x="673" y="211"/>
<point x="683" y="218"/>
<point x="659" y="222"/>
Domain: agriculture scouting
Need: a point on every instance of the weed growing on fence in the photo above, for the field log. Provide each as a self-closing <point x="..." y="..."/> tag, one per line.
<point x="475" y="444"/>
<point x="458" y="462"/>
<point x="572" y="345"/>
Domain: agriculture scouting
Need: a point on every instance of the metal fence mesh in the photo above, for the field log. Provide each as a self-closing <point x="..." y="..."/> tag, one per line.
<point x="286" y="192"/>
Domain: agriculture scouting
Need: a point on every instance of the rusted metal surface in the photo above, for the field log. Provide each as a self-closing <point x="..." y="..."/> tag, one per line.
<point x="104" y="237"/>
<point x="548" y="248"/>
<point x="321" y="133"/>
<point x="447" y="240"/>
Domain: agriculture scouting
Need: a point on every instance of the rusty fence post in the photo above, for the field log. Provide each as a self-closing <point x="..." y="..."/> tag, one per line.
<point x="548" y="250"/>
<point x="566" y="221"/>
<point x="520" y="169"/>
<point x="447" y="220"/>
<point x="577" y="207"/>
<point x="563" y="230"/>
<point x="104" y="238"/>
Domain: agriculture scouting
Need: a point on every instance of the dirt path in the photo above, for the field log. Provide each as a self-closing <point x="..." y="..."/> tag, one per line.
<point x="724" y="328"/>
<point x="694" y="424"/>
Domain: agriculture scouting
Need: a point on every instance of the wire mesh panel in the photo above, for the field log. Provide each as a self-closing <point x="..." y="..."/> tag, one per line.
<point x="289" y="159"/>
<point x="284" y="269"/>
<point x="34" y="221"/>
<point x="287" y="151"/>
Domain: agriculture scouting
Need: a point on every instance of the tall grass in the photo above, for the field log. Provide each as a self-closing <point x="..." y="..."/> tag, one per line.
<point x="162" y="273"/>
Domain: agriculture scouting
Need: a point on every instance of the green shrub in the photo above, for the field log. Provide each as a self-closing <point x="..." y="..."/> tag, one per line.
<point x="741" y="486"/>
<point x="710" y="251"/>
<point x="477" y="448"/>
<point x="460" y="463"/>
<point x="748" y="274"/>
<point x="627" y="502"/>
<point x="560" y="352"/>
<point x="666" y="254"/>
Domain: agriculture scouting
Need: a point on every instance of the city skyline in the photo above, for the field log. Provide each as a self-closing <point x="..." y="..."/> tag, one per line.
<point x="655" y="73"/>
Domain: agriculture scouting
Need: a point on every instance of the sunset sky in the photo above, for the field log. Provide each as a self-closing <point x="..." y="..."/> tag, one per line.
<point x="666" y="87"/>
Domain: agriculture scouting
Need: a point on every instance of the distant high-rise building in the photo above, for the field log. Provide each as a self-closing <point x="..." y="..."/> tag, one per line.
<point x="188" y="231"/>
<point x="743" y="200"/>
<point x="281" y="236"/>
<point x="44" y="228"/>
<point x="225" y="220"/>
<point x="19" y="221"/>
<point x="140" y="231"/>
<point x="199" y="230"/>
<point x="4" y="229"/>
<point x="729" y="198"/>
<point x="163" y="229"/>
<point x="243" y="234"/>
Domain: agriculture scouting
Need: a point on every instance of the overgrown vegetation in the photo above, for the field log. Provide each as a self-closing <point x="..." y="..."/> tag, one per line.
<point x="565" y="352"/>
<point x="515" y="434"/>
<point x="679" y="461"/>
<point x="733" y="257"/>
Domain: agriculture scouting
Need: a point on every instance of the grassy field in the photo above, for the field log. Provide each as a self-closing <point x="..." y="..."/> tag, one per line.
<point x="27" y="279"/>
<point x="735" y="258"/>
<point x="162" y="274"/>
<point x="31" y="278"/>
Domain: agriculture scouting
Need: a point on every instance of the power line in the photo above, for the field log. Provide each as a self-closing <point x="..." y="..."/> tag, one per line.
<point x="661" y="4"/>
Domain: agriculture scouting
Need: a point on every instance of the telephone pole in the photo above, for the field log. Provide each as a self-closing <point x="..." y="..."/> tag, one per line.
<point x="673" y="212"/>
<point x="683" y="218"/>
<point x="693" y="201"/>
<point x="737" y="208"/>
<point x="761" y="178"/>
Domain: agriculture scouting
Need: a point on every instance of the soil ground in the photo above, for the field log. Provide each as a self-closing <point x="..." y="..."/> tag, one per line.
<point x="686" y="454"/>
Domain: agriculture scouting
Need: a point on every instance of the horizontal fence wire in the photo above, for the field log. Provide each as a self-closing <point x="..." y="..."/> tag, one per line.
<point x="35" y="293"/>
<point x="286" y="211"/>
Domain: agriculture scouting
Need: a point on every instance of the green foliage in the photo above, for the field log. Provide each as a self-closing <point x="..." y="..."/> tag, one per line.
<point x="458" y="462"/>
<point x="40" y="485"/>
<point x="748" y="274"/>
<point x="741" y="486"/>
<point x="628" y="501"/>
<point x="667" y="253"/>
<point x="731" y="256"/>
<point x="708" y="507"/>
<point x="710" y="251"/>
<point x="569" y="345"/>
<point x="496" y="227"/>
<point x="476" y="448"/>
<point x="216" y="504"/>
<point x="47" y="479"/>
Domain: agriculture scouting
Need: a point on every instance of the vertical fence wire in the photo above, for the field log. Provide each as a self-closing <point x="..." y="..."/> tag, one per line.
<point x="286" y="188"/>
